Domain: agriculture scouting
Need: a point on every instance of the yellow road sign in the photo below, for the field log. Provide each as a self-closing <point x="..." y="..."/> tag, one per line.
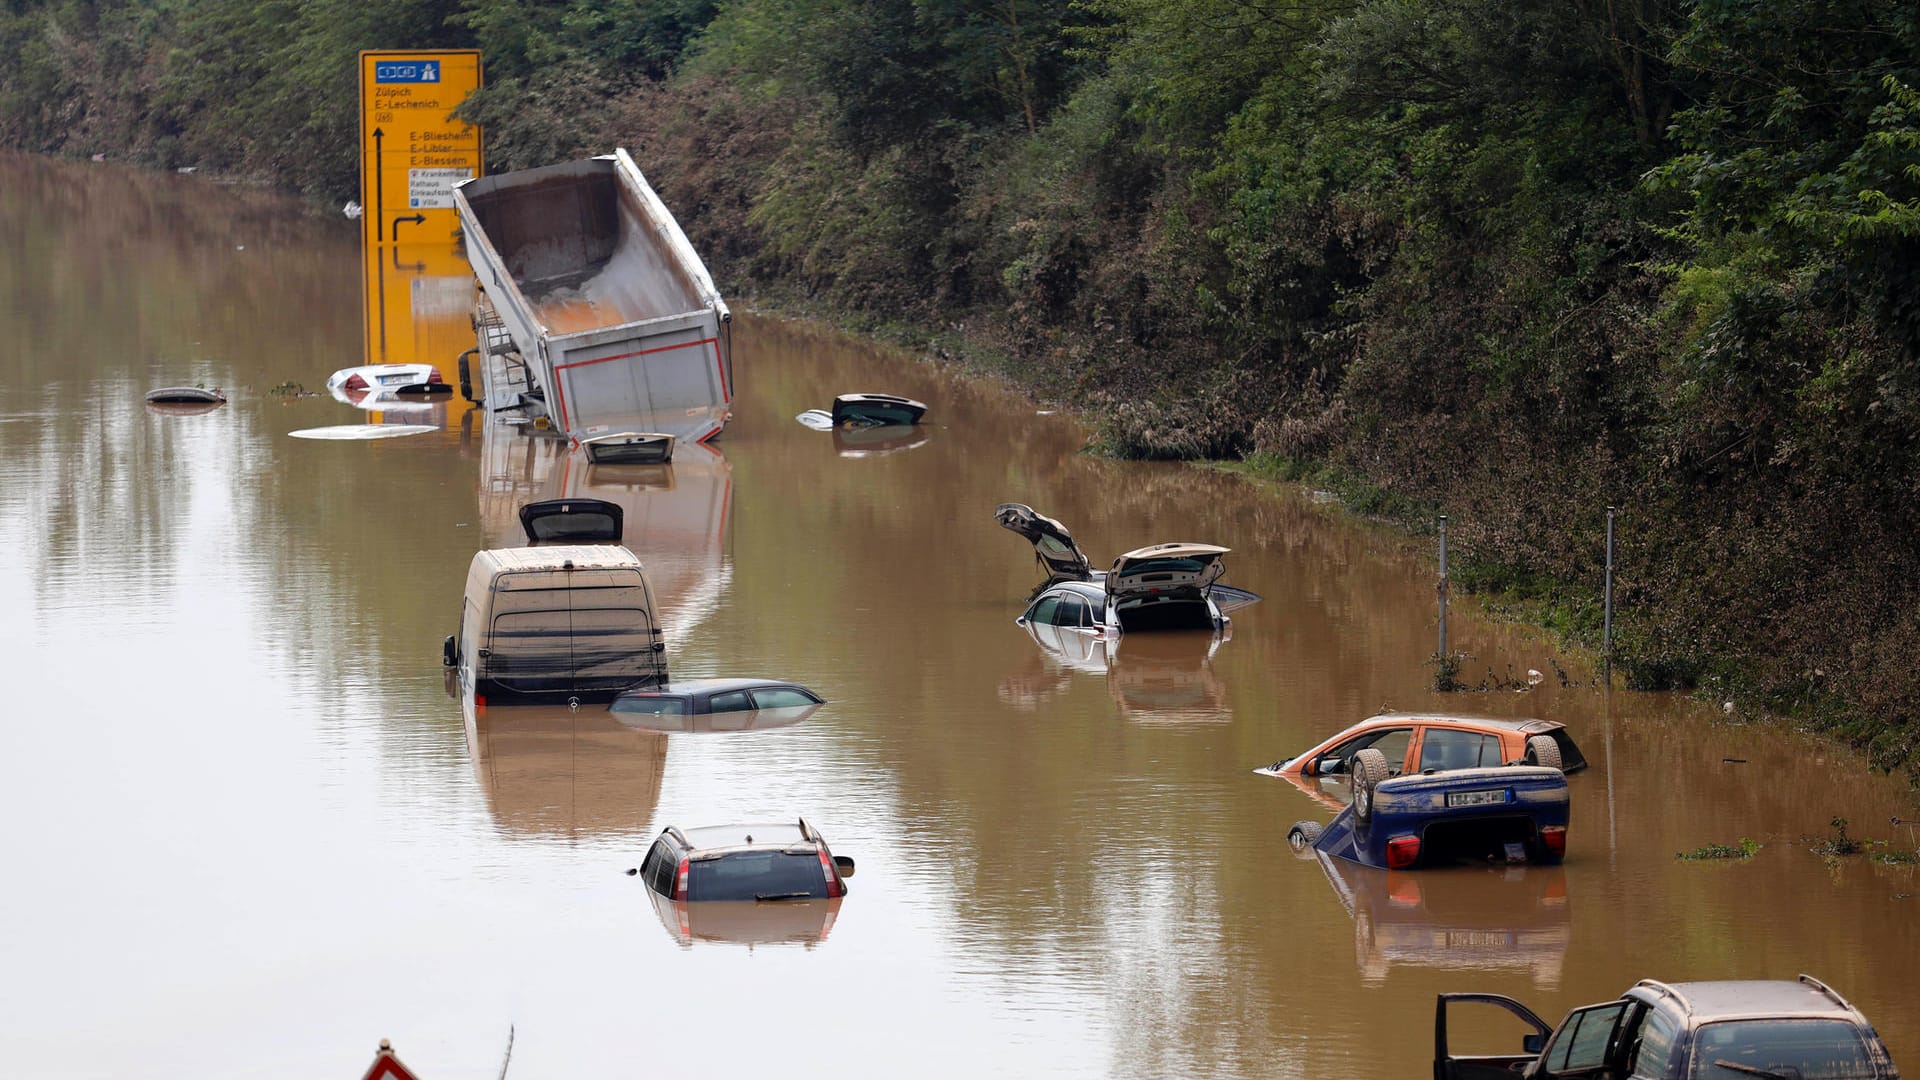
<point x="417" y="283"/>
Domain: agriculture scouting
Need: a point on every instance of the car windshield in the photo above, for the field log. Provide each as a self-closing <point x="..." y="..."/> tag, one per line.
<point x="650" y="705"/>
<point x="1800" y="1049"/>
<point x="758" y="875"/>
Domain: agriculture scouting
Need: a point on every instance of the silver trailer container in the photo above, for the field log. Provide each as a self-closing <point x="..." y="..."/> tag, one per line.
<point x="597" y="313"/>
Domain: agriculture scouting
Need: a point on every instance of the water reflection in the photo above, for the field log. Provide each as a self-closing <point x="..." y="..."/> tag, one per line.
<point x="1507" y="919"/>
<point x="878" y="441"/>
<point x="554" y="772"/>
<point x="746" y="922"/>
<point x="1160" y="678"/>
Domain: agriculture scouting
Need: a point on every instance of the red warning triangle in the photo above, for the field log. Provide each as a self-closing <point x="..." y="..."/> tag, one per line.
<point x="387" y="1067"/>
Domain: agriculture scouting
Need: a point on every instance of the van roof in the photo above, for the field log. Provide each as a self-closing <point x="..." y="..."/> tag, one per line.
<point x="557" y="556"/>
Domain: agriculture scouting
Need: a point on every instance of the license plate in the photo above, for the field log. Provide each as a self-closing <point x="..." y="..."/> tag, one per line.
<point x="389" y="380"/>
<point x="1476" y="798"/>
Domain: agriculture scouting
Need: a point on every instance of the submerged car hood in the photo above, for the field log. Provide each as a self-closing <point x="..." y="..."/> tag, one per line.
<point x="1059" y="556"/>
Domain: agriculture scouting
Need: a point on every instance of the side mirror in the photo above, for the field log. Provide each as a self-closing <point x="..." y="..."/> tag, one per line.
<point x="844" y="865"/>
<point x="1533" y="1043"/>
<point x="1330" y="766"/>
<point x="449" y="652"/>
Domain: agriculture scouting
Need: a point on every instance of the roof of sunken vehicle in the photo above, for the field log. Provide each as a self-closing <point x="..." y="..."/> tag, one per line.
<point x="1705" y="1002"/>
<point x="1505" y="723"/>
<point x="763" y="834"/>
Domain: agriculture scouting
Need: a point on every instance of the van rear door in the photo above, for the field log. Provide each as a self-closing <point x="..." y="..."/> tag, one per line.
<point x="585" y="632"/>
<point x="616" y="644"/>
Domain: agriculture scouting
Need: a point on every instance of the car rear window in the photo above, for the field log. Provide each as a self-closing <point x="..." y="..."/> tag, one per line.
<point x="758" y="875"/>
<point x="561" y="528"/>
<point x="1808" y="1049"/>
<point x="651" y="705"/>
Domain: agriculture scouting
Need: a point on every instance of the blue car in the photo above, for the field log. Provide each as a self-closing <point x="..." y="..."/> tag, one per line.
<point x="1504" y="813"/>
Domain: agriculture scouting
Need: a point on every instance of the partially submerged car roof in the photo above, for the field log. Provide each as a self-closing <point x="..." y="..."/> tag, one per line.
<point x="1060" y="558"/>
<point x="1530" y="724"/>
<point x="1735" y="999"/>
<point x="700" y="686"/>
<point x="556" y="557"/>
<point x="762" y="834"/>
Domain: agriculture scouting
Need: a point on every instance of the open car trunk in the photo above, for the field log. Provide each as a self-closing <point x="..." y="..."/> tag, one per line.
<point x="1164" y="587"/>
<point x="1060" y="558"/>
<point x="572" y="521"/>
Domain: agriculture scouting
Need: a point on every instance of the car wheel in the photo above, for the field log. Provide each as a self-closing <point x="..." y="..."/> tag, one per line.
<point x="1368" y="768"/>
<point x="1542" y="750"/>
<point x="1302" y="835"/>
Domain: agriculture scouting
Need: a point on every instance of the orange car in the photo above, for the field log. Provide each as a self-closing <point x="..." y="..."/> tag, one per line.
<point x="1417" y="742"/>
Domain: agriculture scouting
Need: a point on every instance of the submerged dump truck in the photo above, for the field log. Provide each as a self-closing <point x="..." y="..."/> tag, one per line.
<point x="594" y="311"/>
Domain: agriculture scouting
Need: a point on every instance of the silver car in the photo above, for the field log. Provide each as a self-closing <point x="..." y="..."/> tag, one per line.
<point x="1172" y="586"/>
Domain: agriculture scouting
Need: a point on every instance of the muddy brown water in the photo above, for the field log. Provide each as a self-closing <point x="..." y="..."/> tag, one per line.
<point x="248" y="833"/>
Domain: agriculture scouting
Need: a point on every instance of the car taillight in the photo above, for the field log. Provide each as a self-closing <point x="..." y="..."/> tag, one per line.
<point x="433" y="376"/>
<point x="1554" y="837"/>
<point x="355" y="382"/>
<point x="680" y="881"/>
<point x="1402" y="851"/>
<point x="826" y="867"/>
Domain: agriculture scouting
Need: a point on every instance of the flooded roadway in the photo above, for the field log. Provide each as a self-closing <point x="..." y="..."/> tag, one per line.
<point x="247" y="832"/>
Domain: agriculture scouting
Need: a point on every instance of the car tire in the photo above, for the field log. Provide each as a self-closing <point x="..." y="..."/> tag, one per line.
<point x="1302" y="836"/>
<point x="1542" y="750"/>
<point x="1368" y="768"/>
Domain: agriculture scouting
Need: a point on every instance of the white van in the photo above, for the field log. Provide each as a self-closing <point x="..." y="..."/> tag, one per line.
<point x="544" y="624"/>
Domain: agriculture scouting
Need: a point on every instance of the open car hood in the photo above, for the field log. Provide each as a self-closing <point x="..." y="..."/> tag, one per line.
<point x="1059" y="556"/>
<point x="1166" y="568"/>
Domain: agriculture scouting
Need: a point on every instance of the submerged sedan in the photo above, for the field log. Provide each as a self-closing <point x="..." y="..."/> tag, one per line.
<point x="699" y="697"/>
<point x="1171" y="586"/>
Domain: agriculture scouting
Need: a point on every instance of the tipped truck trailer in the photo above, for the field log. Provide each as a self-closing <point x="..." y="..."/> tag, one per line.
<point x="596" y="314"/>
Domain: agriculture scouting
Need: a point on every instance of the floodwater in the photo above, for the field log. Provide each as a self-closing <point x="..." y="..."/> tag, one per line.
<point x="247" y="832"/>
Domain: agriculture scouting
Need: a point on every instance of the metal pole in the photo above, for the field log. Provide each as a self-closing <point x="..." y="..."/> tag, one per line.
<point x="1443" y="588"/>
<point x="1606" y="633"/>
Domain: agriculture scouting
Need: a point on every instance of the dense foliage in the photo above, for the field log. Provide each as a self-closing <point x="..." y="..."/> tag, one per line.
<point x="1513" y="261"/>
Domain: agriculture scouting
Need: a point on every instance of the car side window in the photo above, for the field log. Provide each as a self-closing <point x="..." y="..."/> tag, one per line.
<point x="1071" y="612"/>
<point x="1043" y="609"/>
<point x="1393" y="746"/>
<point x="1391" y="742"/>
<point x="1584" y="1039"/>
<point x="1445" y="749"/>
<point x="732" y="702"/>
<point x="1652" y="1047"/>
<point x="781" y="698"/>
